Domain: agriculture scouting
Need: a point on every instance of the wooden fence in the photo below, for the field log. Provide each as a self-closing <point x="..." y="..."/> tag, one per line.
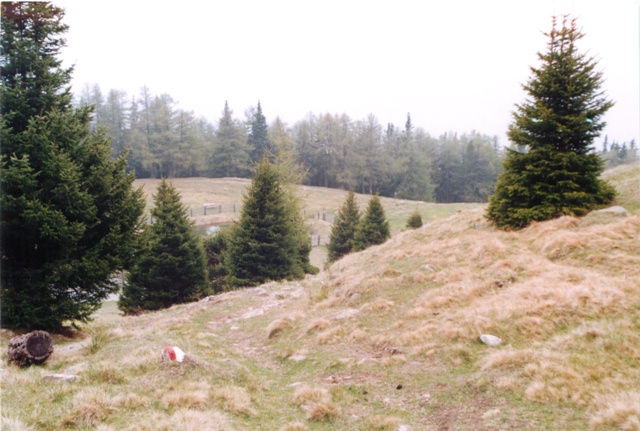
<point x="210" y="209"/>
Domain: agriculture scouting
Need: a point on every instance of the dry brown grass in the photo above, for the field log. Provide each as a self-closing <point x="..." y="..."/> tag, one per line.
<point x="183" y="419"/>
<point x="90" y="407"/>
<point x="277" y="326"/>
<point x="563" y="295"/>
<point x="621" y="411"/>
<point x="233" y="399"/>
<point x="11" y="424"/>
<point x="295" y="426"/>
<point x="190" y="395"/>
<point x="316" y="402"/>
<point x="383" y="423"/>
<point x="317" y="324"/>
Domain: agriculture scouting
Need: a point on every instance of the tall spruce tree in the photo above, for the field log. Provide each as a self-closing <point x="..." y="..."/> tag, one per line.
<point x="266" y="243"/>
<point x="258" y="140"/>
<point x="557" y="173"/>
<point x="171" y="268"/>
<point x="343" y="231"/>
<point x="373" y="228"/>
<point x="69" y="211"/>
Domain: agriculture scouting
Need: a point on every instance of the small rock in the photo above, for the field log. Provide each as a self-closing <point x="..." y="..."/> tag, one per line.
<point x="8" y="332"/>
<point x="490" y="413"/>
<point x="490" y="340"/>
<point x="61" y="377"/>
<point x="77" y="368"/>
<point x="297" y="358"/>
<point x="346" y="314"/>
<point x="616" y="210"/>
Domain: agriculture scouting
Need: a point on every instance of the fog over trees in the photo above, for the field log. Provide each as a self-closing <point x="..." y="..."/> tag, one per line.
<point x="337" y="151"/>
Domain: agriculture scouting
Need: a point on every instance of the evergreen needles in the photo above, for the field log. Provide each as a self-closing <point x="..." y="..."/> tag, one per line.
<point x="69" y="211"/>
<point x="171" y="267"/>
<point x="555" y="171"/>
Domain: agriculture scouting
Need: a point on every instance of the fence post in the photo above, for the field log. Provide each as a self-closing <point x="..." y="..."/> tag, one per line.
<point x="220" y="209"/>
<point x="205" y="209"/>
<point x="318" y="239"/>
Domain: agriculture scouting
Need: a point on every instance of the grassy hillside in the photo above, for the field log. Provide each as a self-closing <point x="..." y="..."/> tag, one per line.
<point x="626" y="179"/>
<point x="320" y="206"/>
<point x="385" y="339"/>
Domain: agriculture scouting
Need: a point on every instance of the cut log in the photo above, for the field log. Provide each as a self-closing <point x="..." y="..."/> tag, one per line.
<point x="32" y="348"/>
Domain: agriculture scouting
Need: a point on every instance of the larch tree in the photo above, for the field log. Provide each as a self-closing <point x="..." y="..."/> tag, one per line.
<point x="343" y="230"/>
<point x="555" y="170"/>
<point x="69" y="210"/>
<point x="171" y="268"/>
<point x="230" y="156"/>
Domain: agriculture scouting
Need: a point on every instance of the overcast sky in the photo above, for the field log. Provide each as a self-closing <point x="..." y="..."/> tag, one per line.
<point x="453" y="65"/>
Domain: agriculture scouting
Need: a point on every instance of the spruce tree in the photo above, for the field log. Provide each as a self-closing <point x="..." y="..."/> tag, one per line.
<point x="555" y="169"/>
<point x="415" y="220"/>
<point x="373" y="228"/>
<point x="343" y="231"/>
<point x="258" y="140"/>
<point x="171" y="268"/>
<point x="69" y="211"/>
<point x="266" y="243"/>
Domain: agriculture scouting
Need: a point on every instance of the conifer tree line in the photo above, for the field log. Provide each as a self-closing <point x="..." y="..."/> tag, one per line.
<point x="337" y="151"/>
<point x="616" y="154"/>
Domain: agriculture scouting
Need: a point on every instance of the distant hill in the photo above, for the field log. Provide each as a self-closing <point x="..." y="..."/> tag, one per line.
<point x="626" y="179"/>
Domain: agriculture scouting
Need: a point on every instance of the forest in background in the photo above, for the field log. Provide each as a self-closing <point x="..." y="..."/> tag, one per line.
<point x="337" y="151"/>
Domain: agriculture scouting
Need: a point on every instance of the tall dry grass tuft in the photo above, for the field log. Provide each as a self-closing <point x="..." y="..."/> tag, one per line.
<point x="276" y="327"/>
<point x="11" y="424"/>
<point x="379" y="305"/>
<point x="621" y="411"/>
<point x="316" y="403"/>
<point x="294" y="426"/>
<point x="383" y="423"/>
<point x="182" y="419"/>
<point x="191" y="395"/>
<point x="507" y="359"/>
<point x="317" y="324"/>
<point x="233" y="399"/>
<point x="89" y="407"/>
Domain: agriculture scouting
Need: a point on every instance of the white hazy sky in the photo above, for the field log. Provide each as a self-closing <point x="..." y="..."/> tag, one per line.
<point x="453" y="65"/>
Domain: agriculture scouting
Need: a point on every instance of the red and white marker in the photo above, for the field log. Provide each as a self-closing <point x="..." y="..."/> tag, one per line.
<point x="173" y="353"/>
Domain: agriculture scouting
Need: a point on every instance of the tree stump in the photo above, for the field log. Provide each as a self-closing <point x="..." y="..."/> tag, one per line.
<point x="32" y="348"/>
